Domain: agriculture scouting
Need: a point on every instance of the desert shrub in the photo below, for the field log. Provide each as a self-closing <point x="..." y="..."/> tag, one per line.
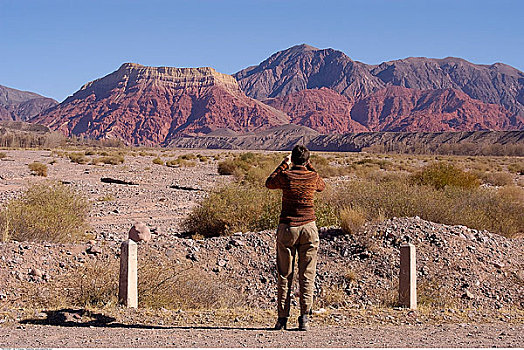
<point x="46" y="212"/>
<point x="228" y="167"/>
<point x="158" y="161"/>
<point x="250" y="167"/>
<point x="440" y="175"/>
<point x="478" y="208"/>
<point x="180" y="163"/>
<point x="111" y="159"/>
<point x="517" y="168"/>
<point x="38" y="168"/>
<point x="202" y="158"/>
<point x="92" y="284"/>
<point x="189" y="156"/>
<point x="325" y="169"/>
<point x="3" y="155"/>
<point x="496" y="178"/>
<point x="352" y="219"/>
<point x="235" y="208"/>
<point x="78" y="157"/>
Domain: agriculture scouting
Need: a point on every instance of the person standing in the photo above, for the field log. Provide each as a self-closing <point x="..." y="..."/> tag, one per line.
<point x="297" y="232"/>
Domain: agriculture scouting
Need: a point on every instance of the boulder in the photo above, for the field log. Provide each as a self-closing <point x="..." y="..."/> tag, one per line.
<point x="140" y="232"/>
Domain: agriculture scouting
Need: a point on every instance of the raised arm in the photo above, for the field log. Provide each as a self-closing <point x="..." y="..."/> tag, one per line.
<point x="321" y="185"/>
<point x="274" y="181"/>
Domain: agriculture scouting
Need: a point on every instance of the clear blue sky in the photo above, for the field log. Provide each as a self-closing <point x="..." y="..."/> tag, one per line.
<point x="53" y="47"/>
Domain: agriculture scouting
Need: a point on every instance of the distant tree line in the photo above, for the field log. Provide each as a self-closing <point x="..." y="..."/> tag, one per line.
<point x="10" y="138"/>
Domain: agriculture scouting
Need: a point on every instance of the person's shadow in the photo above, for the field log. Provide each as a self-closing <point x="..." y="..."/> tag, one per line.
<point x="86" y="318"/>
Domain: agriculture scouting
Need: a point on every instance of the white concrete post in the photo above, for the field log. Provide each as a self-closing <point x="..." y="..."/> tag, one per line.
<point x="407" y="291"/>
<point x="128" y="282"/>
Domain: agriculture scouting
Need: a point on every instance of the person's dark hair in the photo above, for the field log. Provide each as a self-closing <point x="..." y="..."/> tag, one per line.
<point x="299" y="155"/>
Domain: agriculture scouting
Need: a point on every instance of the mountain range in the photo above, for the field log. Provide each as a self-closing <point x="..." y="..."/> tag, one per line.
<point x="16" y="105"/>
<point x="321" y="89"/>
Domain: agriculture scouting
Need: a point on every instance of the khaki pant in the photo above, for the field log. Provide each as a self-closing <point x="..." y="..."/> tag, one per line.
<point x="290" y="240"/>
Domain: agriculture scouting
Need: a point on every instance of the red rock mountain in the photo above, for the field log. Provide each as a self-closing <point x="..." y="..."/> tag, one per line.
<point x="151" y="105"/>
<point x="22" y="105"/>
<point x="323" y="110"/>
<point x="322" y="89"/>
<point x="304" y="67"/>
<point x="401" y="109"/>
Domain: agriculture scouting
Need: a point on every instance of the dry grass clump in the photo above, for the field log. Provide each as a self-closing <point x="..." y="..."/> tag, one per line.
<point x="439" y="175"/>
<point x="78" y="157"/>
<point x="165" y="284"/>
<point x="3" y="155"/>
<point x="250" y="167"/>
<point x="180" y="162"/>
<point x="235" y="208"/>
<point x="92" y="284"/>
<point x="478" y="208"/>
<point x="38" y="168"/>
<point x="228" y="167"/>
<point x="517" y="168"/>
<point x="158" y="161"/>
<point x="495" y="178"/>
<point x="110" y="159"/>
<point x="162" y="283"/>
<point x="46" y="212"/>
<point x="352" y="219"/>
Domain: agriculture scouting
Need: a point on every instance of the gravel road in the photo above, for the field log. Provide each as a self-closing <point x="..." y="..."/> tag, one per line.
<point x="455" y="335"/>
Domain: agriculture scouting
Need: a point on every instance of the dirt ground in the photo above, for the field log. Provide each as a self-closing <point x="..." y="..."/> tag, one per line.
<point x="450" y="335"/>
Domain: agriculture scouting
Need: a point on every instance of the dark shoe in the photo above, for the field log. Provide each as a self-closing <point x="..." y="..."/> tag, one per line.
<point x="303" y="323"/>
<point x="281" y="323"/>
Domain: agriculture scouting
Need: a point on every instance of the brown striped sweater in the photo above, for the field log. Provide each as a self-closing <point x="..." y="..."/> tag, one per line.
<point x="298" y="186"/>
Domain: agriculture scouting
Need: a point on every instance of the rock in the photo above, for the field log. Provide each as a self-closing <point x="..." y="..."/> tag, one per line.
<point x="319" y="311"/>
<point x="192" y="256"/>
<point x="498" y="265"/>
<point x="236" y="242"/>
<point x="140" y="232"/>
<point x="222" y="263"/>
<point x="36" y="272"/>
<point x="468" y="295"/>
<point x="94" y="250"/>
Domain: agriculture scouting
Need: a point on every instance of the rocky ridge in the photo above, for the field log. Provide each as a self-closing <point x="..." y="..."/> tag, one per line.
<point x="22" y="105"/>
<point x="286" y="137"/>
<point x="305" y="67"/>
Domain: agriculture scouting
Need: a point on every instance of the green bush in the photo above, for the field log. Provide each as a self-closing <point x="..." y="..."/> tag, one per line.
<point x="38" y="168"/>
<point x="46" y="212"/>
<point x="439" y="175"/>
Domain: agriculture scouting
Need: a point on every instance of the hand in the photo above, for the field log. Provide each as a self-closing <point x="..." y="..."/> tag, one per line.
<point x="287" y="159"/>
